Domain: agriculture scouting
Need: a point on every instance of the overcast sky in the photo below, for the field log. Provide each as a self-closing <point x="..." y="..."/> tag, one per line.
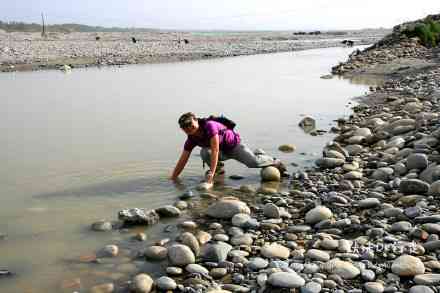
<point x="223" y="14"/>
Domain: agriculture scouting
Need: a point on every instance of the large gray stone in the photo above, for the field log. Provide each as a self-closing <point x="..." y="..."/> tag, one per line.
<point x="180" y="255"/>
<point x="417" y="161"/>
<point x="434" y="189"/>
<point x="286" y="280"/>
<point x="142" y="283"/>
<point x="311" y="287"/>
<point x="329" y="163"/>
<point x="420" y="289"/>
<point x="319" y="255"/>
<point x="318" y="214"/>
<point x="275" y="250"/>
<point x="365" y="132"/>
<point x="168" y="211"/>
<point x="344" y="269"/>
<point x="383" y="174"/>
<point x="407" y="266"/>
<point x="270" y="174"/>
<point x="271" y="211"/>
<point x="374" y="287"/>
<point x="156" y="253"/>
<point x="369" y="203"/>
<point x="216" y="252"/>
<point x="257" y="263"/>
<point x="427" y="279"/>
<point x="191" y="241"/>
<point x="138" y="216"/>
<point x="413" y="186"/>
<point x="227" y="208"/>
<point x="240" y="220"/>
<point x="198" y="269"/>
<point x="165" y="283"/>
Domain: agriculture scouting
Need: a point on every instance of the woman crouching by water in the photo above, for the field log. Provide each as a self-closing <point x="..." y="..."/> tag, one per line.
<point x="218" y="142"/>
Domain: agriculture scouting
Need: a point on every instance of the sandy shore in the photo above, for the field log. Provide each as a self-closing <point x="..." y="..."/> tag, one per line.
<point x="29" y="51"/>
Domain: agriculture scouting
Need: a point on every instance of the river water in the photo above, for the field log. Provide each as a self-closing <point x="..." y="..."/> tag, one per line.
<point x="77" y="147"/>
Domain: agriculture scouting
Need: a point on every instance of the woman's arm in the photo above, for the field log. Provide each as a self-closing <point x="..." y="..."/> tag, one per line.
<point x="180" y="164"/>
<point x="215" y="149"/>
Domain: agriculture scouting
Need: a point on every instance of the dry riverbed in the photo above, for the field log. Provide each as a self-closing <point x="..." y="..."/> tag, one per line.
<point x="29" y="51"/>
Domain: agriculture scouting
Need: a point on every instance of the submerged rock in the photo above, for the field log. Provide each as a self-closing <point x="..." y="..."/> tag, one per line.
<point x="138" y="217"/>
<point x="287" y="148"/>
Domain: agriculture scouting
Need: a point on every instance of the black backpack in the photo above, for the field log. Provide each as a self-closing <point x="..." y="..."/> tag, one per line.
<point x="223" y="120"/>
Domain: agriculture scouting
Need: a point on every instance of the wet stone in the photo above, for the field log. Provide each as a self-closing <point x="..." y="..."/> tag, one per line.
<point x="100" y="226"/>
<point x="156" y="253"/>
<point x="138" y="216"/>
<point x="103" y="288"/>
<point x="165" y="283"/>
<point x="168" y="211"/>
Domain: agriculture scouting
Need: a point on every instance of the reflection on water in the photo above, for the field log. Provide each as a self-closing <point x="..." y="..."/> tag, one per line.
<point x="364" y="79"/>
<point x="79" y="147"/>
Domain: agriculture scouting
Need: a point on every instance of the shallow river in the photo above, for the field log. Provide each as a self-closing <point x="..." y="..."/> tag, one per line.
<point x="78" y="147"/>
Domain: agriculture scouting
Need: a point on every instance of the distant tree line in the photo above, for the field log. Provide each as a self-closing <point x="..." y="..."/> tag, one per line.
<point x="18" y="26"/>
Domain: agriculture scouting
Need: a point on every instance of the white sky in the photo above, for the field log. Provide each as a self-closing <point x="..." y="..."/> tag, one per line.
<point x="223" y="14"/>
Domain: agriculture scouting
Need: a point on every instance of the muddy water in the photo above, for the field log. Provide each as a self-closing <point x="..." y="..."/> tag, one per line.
<point x="80" y="146"/>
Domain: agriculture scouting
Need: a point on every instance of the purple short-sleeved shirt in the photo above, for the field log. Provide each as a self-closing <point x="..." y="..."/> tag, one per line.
<point x="228" y="138"/>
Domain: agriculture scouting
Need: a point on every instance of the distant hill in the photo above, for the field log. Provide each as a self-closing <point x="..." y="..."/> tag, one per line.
<point x="18" y="26"/>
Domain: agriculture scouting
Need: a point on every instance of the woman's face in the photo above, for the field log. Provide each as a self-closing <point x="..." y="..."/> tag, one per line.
<point x="192" y="128"/>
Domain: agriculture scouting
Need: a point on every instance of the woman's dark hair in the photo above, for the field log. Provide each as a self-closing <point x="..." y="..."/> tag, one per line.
<point x="186" y="119"/>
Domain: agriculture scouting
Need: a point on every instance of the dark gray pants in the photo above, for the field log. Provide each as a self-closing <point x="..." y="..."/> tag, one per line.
<point x="241" y="153"/>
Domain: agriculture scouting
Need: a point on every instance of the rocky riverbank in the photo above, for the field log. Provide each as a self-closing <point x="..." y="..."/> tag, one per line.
<point x="365" y="219"/>
<point x="29" y="51"/>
